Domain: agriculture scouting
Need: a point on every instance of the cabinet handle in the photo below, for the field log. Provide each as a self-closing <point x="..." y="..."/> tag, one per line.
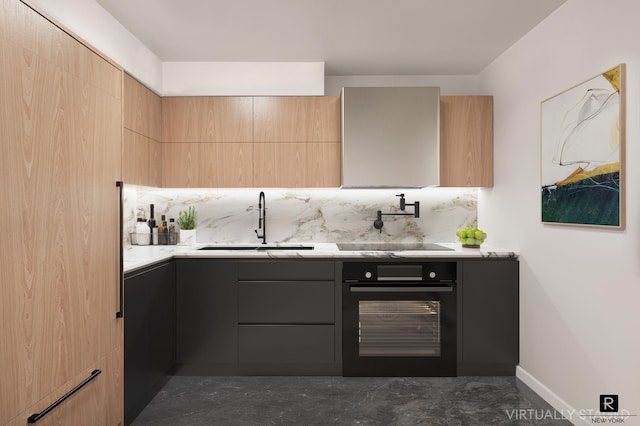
<point x="435" y="289"/>
<point x="120" y="312"/>
<point x="37" y="416"/>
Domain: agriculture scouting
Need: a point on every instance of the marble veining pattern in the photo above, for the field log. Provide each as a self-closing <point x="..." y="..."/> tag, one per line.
<point x="137" y="257"/>
<point x="310" y="215"/>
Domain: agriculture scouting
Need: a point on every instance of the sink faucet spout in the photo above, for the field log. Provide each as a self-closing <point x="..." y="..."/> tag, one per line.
<point x="262" y="218"/>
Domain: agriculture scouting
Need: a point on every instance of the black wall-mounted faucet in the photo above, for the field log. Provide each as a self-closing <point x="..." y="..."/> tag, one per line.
<point x="378" y="223"/>
<point x="262" y="218"/>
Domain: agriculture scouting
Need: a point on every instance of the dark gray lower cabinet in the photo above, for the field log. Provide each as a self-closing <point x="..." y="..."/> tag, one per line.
<point x="286" y="302"/>
<point x="149" y="335"/>
<point x="256" y="317"/>
<point x="283" y="317"/>
<point x="286" y="321"/>
<point x="488" y="330"/>
<point x="285" y="345"/>
<point x="206" y="316"/>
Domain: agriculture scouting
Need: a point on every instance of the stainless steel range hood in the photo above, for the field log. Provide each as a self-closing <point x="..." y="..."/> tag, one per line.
<point x="390" y="137"/>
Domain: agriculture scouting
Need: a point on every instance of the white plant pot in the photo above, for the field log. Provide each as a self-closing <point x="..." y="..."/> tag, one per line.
<point x="187" y="237"/>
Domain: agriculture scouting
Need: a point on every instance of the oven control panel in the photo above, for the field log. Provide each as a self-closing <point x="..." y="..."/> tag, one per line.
<point x="399" y="271"/>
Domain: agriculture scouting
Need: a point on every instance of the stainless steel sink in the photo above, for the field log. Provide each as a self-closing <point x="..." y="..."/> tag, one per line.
<point x="260" y="247"/>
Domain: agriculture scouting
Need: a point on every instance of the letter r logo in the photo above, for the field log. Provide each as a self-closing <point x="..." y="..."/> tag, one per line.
<point x="608" y="403"/>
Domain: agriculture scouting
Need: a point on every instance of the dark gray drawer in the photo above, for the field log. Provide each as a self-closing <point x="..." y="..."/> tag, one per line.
<point x="276" y="344"/>
<point x="288" y="302"/>
<point x="286" y="270"/>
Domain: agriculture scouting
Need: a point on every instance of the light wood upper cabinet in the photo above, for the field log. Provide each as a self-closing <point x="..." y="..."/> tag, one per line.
<point x="61" y="127"/>
<point x="142" y="160"/>
<point x="324" y="165"/>
<point x="207" y="119"/>
<point x="142" y="109"/>
<point x="280" y="165"/>
<point x="207" y="165"/>
<point x="297" y="164"/>
<point x="251" y="142"/>
<point x="207" y="142"/>
<point x="142" y="149"/>
<point x="297" y="119"/>
<point x="466" y="141"/>
<point x="181" y="165"/>
<point x="226" y="165"/>
<point x="297" y="141"/>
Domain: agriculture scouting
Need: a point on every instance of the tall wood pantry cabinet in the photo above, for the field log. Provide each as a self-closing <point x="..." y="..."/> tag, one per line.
<point x="61" y="141"/>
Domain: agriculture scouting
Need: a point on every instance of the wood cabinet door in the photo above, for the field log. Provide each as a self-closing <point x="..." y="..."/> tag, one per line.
<point x="98" y="402"/>
<point x="297" y="141"/>
<point x="207" y="119"/>
<point x="180" y="165"/>
<point x="142" y="149"/>
<point x="142" y="160"/>
<point x="61" y="127"/>
<point x="466" y="141"/>
<point x="324" y="164"/>
<point x="280" y="165"/>
<point x="142" y="109"/>
<point x="297" y="119"/>
<point x="225" y="165"/>
<point x="207" y="165"/>
<point x="297" y="165"/>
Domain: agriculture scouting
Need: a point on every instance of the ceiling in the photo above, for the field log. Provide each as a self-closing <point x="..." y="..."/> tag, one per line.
<point x="352" y="37"/>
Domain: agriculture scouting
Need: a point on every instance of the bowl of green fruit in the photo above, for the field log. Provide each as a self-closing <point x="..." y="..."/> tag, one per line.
<point x="471" y="237"/>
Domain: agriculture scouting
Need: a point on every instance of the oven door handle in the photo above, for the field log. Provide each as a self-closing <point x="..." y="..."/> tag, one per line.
<point x="401" y="289"/>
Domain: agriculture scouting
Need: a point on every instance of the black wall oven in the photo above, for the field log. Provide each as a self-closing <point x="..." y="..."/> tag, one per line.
<point x="399" y="318"/>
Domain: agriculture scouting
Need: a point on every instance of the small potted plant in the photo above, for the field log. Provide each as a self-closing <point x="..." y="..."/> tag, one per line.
<point x="187" y="224"/>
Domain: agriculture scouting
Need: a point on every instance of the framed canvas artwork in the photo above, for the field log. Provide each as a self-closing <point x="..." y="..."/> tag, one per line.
<point x="582" y="153"/>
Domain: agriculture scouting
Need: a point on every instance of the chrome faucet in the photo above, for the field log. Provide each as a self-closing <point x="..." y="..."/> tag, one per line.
<point x="262" y="218"/>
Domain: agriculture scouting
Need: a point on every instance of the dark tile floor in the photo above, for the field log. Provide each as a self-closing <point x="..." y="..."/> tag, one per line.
<point x="302" y="401"/>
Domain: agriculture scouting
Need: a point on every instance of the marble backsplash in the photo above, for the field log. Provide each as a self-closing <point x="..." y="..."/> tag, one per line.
<point x="309" y="215"/>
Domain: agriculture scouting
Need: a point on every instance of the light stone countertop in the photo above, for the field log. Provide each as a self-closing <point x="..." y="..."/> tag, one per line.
<point x="137" y="257"/>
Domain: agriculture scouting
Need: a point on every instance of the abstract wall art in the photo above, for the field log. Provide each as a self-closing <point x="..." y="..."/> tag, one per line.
<point x="582" y="153"/>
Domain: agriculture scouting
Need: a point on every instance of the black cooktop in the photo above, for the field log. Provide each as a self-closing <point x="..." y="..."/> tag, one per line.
<point x="391" y="247"/>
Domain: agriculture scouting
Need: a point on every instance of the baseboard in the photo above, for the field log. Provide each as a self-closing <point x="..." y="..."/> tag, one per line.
<point x="552" y="399"/>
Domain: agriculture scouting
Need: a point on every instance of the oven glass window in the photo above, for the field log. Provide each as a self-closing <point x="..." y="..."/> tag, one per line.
<point x="399" y="328"/>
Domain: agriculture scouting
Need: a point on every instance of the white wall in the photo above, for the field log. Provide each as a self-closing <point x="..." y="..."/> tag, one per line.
<point x="580" y="287"/>
<point x="450" y="85"/>
<point x="243" y="78"/>
<point x="91" y="22"/>
<point x="96" y="26"/>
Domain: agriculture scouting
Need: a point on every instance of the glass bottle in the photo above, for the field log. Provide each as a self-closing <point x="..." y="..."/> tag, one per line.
<point x="152" y="225"/>
<point x="163" y="231"/>
<point x="172" y="232"/>
<point x="142" y="232"/>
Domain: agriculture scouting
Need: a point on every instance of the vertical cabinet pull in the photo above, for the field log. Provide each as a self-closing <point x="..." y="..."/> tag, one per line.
<point x="37" y="416"/>
<point x="120" y="312"/>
